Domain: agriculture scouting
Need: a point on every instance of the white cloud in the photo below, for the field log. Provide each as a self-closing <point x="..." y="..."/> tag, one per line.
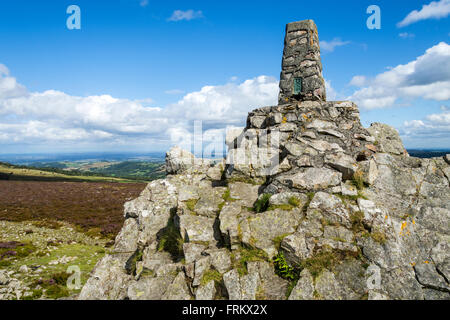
<point x="143" y="3"/>
<point x="406" y="35"/>
<point x="53" y="118"/>
<point x="331" y="93"/>
<point x="187" y="15"/>
<point x="331" y="45"/>
<point x="433" y="129"/>
<point x="358" y="81"/>
<point x="427" y="77"/>
<point x="433" y="10"/>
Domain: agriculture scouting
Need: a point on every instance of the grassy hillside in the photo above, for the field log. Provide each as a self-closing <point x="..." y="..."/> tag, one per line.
<point x="11" y="172"/>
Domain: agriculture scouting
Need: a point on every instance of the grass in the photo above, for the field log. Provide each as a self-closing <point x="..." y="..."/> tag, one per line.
<point x="170" y="240"/>
<point x="277" y="241"/>
<point x="211" y="275"/>
<point x="358" y="180"/>
<point x="378" y="237"/>
<point x="326" y="260"/>
<point x="190" y="204"/>
<point x="245" y="255"/>
<point x="262" y="204"/>
<point x="52" y="280"/>
<point x="29" y="174"/>
<point x="295" y="202"/>
<point x="14" y="250"/>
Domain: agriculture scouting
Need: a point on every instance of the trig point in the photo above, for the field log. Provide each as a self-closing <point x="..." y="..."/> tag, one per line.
<point x="301" y="74"/>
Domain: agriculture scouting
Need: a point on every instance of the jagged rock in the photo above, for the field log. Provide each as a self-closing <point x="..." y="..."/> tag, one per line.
<point x="241" y="287"/>
<point x="447" y="158"/>
<point x="328" y="287"/>
<point x="149" y="288"/>
<point x="108" y="281"/>
<point x="197" y="228"/>
<point x="265" y="227"/>
<point x="304" y="289"/>
<point x="343" y="195"/>
<point x="201" y="265"/>
<point x="233" y="285"/>
<point x="206" y="292"/>
<point x="178" y="290"/>
<point x="312" y="179"/>
<point x="343" y="163"/>
<point x="246" y="193"/>
<point x="387" y="137"/>
<point x="229" y="222"/>
<point x="330" y="207"/>
<point x="192" y="251"/>
<point x="179" y="160"/>
<point x="296" y="247"/>
<point x="220" y="260"/>
<point x="428" y="276"/>
<point x="271" y="286"/>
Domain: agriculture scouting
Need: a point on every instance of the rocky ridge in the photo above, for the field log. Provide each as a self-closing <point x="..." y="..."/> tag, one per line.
<point x="342" y="206"/>
<point x="308" y="204"/>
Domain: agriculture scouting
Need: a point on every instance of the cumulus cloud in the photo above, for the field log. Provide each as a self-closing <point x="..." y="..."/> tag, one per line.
<point x="53" y="117"/>
<point x="179" y="15"/>
<point x="143" y="3"/>
<point x="331" y="45"/>
<point x="433" y="10"/>
<point x="427" y="77"/>
<point x="433" y="128"/>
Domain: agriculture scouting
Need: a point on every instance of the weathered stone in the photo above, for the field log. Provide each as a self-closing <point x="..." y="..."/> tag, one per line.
<point x="245" y="192"/>
<point x="206" y="292"/>
<point x="267" y="226"/>
<point x="179" y="160"/>
<point x="315" y="179"/>
<point x="178" y="290"/>
<point x="343" y="163"/>
<point x="197" y="228"/>
<point x="387" y="137"/>
<point x="296" y="248"/>
<point x="192" y="251"/>
<point x="108" y="281"/>
<point x="201" y="265"/>
<point x="304" y="289"/>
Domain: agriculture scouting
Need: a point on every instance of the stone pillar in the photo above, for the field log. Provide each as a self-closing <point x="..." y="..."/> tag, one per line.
<point x="301" y="74"/>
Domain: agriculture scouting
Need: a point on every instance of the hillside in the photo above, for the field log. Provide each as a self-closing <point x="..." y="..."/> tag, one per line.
<point x="124" y="172"/>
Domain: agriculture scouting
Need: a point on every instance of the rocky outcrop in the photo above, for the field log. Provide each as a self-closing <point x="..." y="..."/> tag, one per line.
<point x="308" y="204"/>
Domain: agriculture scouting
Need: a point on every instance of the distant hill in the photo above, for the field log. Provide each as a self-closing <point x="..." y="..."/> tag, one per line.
<point x="421" y="153"/>
<point x="14" y="172"/>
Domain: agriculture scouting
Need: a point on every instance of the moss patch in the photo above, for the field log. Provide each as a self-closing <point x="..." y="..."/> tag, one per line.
<point x="262" y="204"/>
<point x="245" y="255"/>
<point x="170" y="240"/>
<point x="211" y="274"/>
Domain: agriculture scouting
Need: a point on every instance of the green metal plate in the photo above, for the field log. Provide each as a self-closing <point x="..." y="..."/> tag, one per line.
<point x="297" y="85"/>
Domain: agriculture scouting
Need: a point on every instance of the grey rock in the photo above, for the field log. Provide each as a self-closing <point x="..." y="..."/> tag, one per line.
<point x="206" y="292"/>
<point x="197" y="228"/>
<point x="107" y="282"/>
<point x="304" y="289"/>
<point x="315" y="179"/>
<point x="192" y="251"/>
<point x="178" y="290"/>
<point x="388" y="138"/>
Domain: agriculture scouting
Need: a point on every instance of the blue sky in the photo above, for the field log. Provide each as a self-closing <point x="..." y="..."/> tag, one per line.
<point x="139" y="73"/>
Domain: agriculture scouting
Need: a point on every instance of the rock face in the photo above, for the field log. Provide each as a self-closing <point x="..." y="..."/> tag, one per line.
<point x="304" y="188"/>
